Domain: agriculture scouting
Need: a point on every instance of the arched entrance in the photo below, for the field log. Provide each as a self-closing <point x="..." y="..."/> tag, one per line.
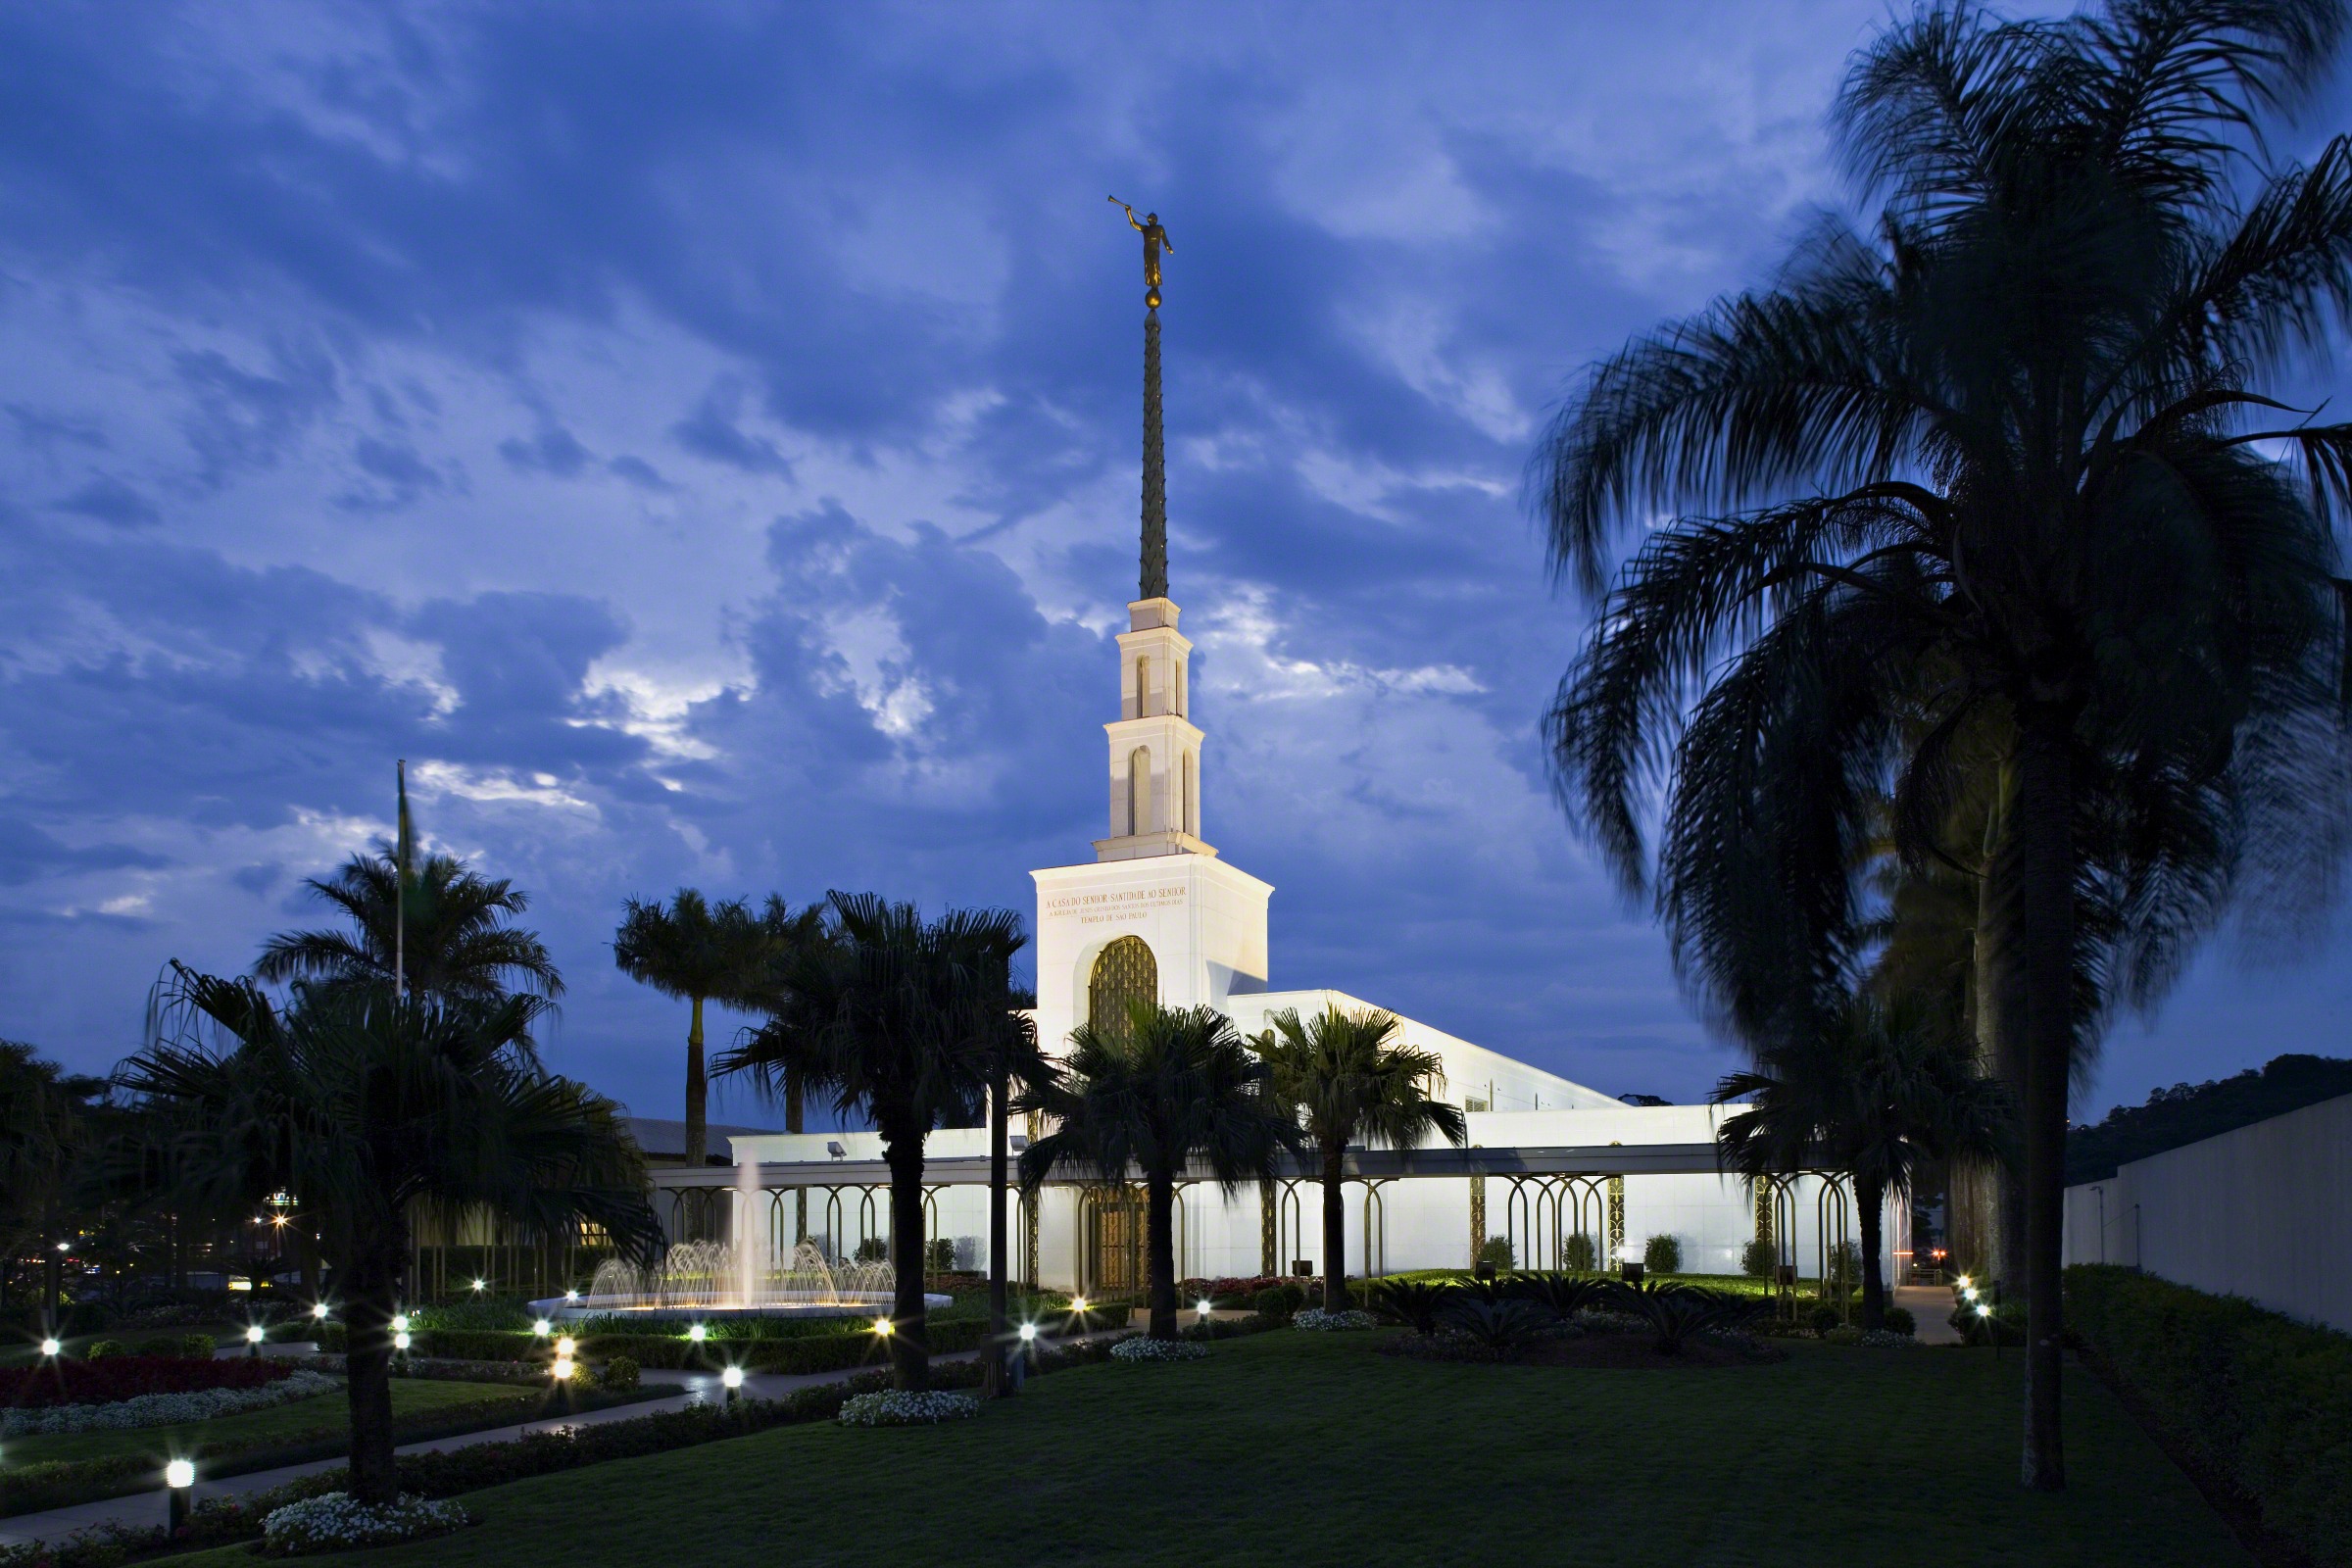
<point x="1124" y="973"/>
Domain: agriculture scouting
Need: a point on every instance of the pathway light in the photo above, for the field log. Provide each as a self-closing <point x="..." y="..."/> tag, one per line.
<point x="698" y="1333"/>
<point x="319" y="1310"/>
<point x="732" y="1380"/>
<point x="564" y="1368"/>
<point x="567" y="1345"/>
<point x="400" y="1340"/>
<point x="400" y="1322"/>
<point x="480" y="1286"/>
<point x="541" y="1327"/>
<point x="1028" y="1333"/>
<point x="179" y="1476"/>
<point x="882" y="1327"/>
<point x="252" y="1339"/>
<point x="50" y="1347"/>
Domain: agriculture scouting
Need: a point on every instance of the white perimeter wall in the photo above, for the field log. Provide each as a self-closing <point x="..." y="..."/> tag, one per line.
<point x="2264" y="1212"/>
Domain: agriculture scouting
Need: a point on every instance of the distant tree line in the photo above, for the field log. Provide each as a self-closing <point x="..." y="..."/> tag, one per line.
<point x="2188" y="1112"/>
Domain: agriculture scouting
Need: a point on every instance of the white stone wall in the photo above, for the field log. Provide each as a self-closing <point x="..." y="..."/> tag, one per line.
<point x="2261" y="1211"/>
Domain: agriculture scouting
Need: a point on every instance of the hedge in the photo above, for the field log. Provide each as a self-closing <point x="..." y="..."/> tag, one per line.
<point x="2253" y="1401"/>
<point x="828" y="1352"/>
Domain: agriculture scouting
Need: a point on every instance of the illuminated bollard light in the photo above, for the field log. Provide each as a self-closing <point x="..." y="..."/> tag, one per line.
<point x="180" y="1478"/>
<point x="318" y="1311"/>
<point x="51" y="1348"/>
<point x="565" y="1368"/>
<point x="253" y="1339"/>
<point x="732" y="1380"/>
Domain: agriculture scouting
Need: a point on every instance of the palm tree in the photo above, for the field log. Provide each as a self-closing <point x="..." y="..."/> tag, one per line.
<point x="373" y="1108"/>
<point x="44" y="1125"/>
<point x="1350" y="1078"/>
<point x="1877" y="1091"/>
<point x="901" y="1019"/>
<point x="1175" y="1088"/>
<point x="1998" y="459"/>
<point x="1015" y="1065"/>
<point x="699" y="951"/>
<point x="457" y="942"/>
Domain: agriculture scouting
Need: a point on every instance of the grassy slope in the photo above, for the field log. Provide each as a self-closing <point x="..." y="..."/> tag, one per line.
<point x="327" y="1415"/>
<point x="1313" y="1448"/>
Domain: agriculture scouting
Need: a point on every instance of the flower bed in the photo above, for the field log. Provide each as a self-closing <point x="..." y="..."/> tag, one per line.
<point x="1315" y="1320"/>
<point x="338" y="1521"/>
<point x="165" y="1409"/>
<point x="1141" y="1349"/>
<point x="125" y="1376"/>
<point x="896" y="1407"/>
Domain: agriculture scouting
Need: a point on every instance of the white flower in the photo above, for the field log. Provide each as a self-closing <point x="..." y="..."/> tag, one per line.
<point x="336" y="1520"/>
<point x="1150" y="1350"/>
<point x="164" y="1410"/>
<point x="893" y="1407"/>
<point x="1317" y="1321"/>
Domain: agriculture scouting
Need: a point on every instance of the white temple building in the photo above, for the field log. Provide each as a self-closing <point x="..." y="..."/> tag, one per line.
<point x="1158" y="914"/>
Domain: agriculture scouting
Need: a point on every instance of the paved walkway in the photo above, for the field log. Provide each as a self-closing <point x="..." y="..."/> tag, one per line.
<point x="692" y="1388"/>
<point x="1930" y="1310"/>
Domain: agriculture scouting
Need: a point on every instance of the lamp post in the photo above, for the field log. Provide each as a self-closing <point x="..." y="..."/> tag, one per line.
<point x="254" y="1335"/>
<point x="732" y="1380"/>
<point x="180" y="1480"/>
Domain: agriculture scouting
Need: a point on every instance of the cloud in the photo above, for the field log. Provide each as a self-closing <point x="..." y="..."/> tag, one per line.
<point x="711" y="431"/>
<point x="110" y="499"/>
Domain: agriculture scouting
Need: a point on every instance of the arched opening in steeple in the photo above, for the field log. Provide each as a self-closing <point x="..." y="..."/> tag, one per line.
<point x="1124" y="973"/>
<point x="1139" y="790"/>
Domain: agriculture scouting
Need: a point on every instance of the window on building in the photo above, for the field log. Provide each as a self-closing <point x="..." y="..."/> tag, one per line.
<point x="1125" y="973"/>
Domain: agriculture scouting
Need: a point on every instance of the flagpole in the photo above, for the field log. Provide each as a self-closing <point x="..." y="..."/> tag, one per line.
<point x="400" y="886"/>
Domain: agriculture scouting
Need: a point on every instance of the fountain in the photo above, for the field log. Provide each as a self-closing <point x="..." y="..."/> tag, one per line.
<point x="755" y="1278"/>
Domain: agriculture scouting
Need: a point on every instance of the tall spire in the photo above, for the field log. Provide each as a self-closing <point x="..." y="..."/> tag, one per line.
<point x="1154" y="583"/>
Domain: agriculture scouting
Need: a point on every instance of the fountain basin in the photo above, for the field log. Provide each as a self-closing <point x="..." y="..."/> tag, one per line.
<point x="654" y="1315"/>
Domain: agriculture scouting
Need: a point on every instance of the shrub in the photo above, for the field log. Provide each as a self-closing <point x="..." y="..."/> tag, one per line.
<point x="1841" y="1334"/>
<point x="1317" y="1321"/>
<point x="474" y="1312"/>
<point x="125" y="1377"/>
<point x="1578" y="1252"/>
<point x="1662" y="1254"/>
<point x="1900" y="1321"/>
<point x="1826" y="1318"/>
<point x="939" y="1254"/>
<point x="165" y="1409"/>
<point x="1845" y="1268"/>
<point x="1278" y="1301"/>
<point x="1139" y="1350"/>
<point x="873" y="1249"/>
<point x="2258" y="1401"/>
<point x="1496" y="1252"/>
<point x="1885" y="1340"/>
<point x="2007" y="1324"/>
<point x="100" y="1350"/>
<point x="900" y="1407"/>
<point x="1759" y="1257"/>
<point x="339" y="1520"/>
<point x="623" y="1372"/>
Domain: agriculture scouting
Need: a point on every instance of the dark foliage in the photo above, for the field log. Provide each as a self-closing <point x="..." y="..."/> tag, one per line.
<point x="1561" y="1295"/>
<point x="2186" y="1114"/>
<point x="125" y="1377"/>
<point x="1419" y="1305"/>
<point x="1676" y="1312"/>
<point x="1502" y="1325"/>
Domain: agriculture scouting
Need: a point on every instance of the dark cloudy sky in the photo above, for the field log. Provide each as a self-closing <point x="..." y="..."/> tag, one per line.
<point x="703" y="440"/>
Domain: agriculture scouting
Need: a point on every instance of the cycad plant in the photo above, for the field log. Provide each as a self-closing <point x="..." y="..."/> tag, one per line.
<point x="373" y="1108"/>
<point x="1352" y="1079"/>
<point x="1173" y="1093"/>
<point x="905" y="1021"/>
<point x="2016" y="453"/>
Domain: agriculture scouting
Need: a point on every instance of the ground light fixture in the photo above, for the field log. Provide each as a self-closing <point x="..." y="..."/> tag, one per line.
<point x="571" y="1295"/>
<point x="480" y="1286"/>
<point x="882" y="1327"/>
<point x="400" y="1322"/>
<point x="319" y="1310"/>
<point x="1028" y="1333"/>
<point x="564" y="1368"/>
<point x="180" y="1478"/>
<point x="732" y="1380"/>
<point x="1077" y="1303"/>
<point x="541" y="1328"/>
<point x="567" y="1345"/>
<point x="400" y="1340"/>
<point x="1204" y="1311"/>
<point x="698" y="1333"/>
<point x="252" y="1339"/>
<point x="52" y="1348"/>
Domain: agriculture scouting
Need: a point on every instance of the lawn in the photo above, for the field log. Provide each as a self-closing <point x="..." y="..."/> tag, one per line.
<point x="327" y="1415"/>
<point x="1291" y="1446"/>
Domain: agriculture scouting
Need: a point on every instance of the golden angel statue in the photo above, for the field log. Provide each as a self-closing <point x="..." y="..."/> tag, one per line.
<point x="1155" y="241"/>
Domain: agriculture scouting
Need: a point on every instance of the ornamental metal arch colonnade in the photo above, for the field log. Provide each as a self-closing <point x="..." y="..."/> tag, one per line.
<point x="1539" y="1198"/>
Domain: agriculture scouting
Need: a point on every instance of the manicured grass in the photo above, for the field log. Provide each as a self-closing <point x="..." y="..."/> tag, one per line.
<point x="327" y="1415"/>
<point x="1291" y="1446"/>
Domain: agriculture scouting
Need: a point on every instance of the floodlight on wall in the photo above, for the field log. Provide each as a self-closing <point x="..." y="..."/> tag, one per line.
<point x="1019" y="1141"/>
<point x="833" y="1148"/>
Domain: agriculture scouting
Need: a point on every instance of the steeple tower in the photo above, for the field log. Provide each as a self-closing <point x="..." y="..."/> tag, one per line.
<point x="1155" y="748"/>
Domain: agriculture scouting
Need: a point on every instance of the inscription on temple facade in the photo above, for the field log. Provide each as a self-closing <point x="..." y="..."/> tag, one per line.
<point x="1124" y="905"/>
